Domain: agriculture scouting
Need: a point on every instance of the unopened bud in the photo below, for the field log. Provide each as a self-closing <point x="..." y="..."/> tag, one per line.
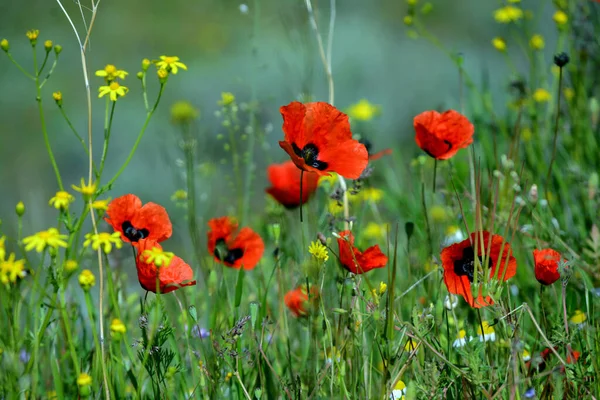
<point x="140" y="75"/>
<point x="4" y="45"/>
<point x="48" y="45"/>
<point x="57" y="96"/>
<point x="561" y="59"/>
<point x="145" y="64"/>
<point x="20" y="209"/>
<point x="57" y="49"/>
<point x="162" y="75"/>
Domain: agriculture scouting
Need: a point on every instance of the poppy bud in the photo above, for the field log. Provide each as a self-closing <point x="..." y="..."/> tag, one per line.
<point x="20" y="209"/>
<point x="409" y="228"/>
<point x="561" y="59"/>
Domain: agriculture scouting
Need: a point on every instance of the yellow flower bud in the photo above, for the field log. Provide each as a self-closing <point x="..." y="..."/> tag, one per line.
<point x="560" y="17"/>
<point x="227" y="99"/>
<point x="57" y="96"/>
<point x="32" y="35"/>
<point x="4" y="45"/>
<point x="87" y="279"/>
<point x="48" y="45"/>
<point x="499" y="44"/>
<point x="408" y="20"/>
<point x="162" y="75"/>
<point x="84" y="383"/>
<point x="20" y="209"/>
<point x="537" y="42"/>
<point x="57" y="49"/>
<point x="145" y="64"/>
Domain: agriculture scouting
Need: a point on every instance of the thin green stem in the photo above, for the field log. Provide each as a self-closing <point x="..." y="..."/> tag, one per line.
<point x="79" y="138"/>
<point x="27" y="74"/>
<point x="67" y="326"/>
<point x="107" y="128"/>
<point x="137" y="142"/>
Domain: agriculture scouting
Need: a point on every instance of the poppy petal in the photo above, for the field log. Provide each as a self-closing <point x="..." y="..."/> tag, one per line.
<point x="546" y="266"/>
<point x="349" y="158"/>
<point x="221" y="228"/>
<point x="252" y="246"/>
<point x="299" y="161"/>
<point x="442" y="135"/>
<point x="122" y="209"/>
<point x="356" y="261"/>
<point x="155" y="219"/>
<point x="285" y="181"/>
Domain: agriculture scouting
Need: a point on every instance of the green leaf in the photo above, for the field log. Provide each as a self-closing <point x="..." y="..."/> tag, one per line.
<point x="193" y="314"/>
<point x="239" y="287"/>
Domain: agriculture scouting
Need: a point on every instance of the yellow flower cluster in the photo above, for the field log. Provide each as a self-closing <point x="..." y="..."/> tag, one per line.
<point x="113" y="89"/>
<point x="158" y="257"/>
<point x="10" y="268"/>
<point x="103" y="240"/>
<point x="508" y="14"/>
<point x="87" y="279"/>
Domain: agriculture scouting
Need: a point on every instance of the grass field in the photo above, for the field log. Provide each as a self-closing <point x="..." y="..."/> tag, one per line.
<point x="463" y="265"/>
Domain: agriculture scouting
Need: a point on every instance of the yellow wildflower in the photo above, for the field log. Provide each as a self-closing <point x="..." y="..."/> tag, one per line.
<point x="526" y="355"/>
<point x="382" y="287"/>
<point x="499" y="44"/>
<point x="158" y="257"/>
<point x="170" y="64"/>
<point x="117" y="327"/>
<point x="11" y="269"/>
<point x="537" y="42"/>
<point x="32" y="35"/>
<point x="318" y="251"/>
<point x="578" y="317"/>
<point x="110" y="73"/>
<point x="227" y="98"/>
<point x="50" y="238"/>
<point x="560" y="17"/>
<point x="71" y="265"/>
<point x="61" y="200"/>
<point x="114" y="90"/>
<point x="101" y="205"/>
<point x="410" y="345"/>
<point x="86" y="190"/>
<point x="84" y="380"/>
<point x="103" y="240"/>
<point x="541" y="95"/>
<point x="184" y="112"/>
<point x="370" y="194"/>
<point x="58" y="98"/>
<point x="228" y="376"/>
<point x="508" y="14"/>
<point x="179" y="195"/>
<point x="87" y="279"/>
<point x="2" y="248"/>
<point x="363" y="110"/>
<point x="374" y="230"/>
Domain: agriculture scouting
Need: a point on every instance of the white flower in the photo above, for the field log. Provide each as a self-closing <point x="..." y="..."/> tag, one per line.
<point x="488" y="332"/>
<point x="450" y="302"/>
<point x="453" y="235"/>
<point x="399" y="391"/>
<point x="526" y="356"/>
<point x="461" y="339"/>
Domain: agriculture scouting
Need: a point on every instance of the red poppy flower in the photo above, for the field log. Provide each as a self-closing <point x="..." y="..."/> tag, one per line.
<point x="546" y="266"/>
<point x="442" y="135"/>
<point x="356" y="261"/>
<point x="458" y="261"/>
<point x="573" y="357"/>
<point x="127" y="215"/>
<point x="318" y="139"/>
<point x="234" y="248"/>
<point x="285" y="184"/>
<point x="167" y="278"/>
<point x="296" y="299"/>
<point x="374" y="156"/>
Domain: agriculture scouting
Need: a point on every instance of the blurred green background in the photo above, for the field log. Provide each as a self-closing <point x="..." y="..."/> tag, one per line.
<point x="268" y="50"/>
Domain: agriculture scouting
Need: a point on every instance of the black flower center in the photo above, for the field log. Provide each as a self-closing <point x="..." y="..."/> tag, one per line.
<point x="310" y="153"/>
<point x="228" y="256"/>
<point x="466" y="265"/>
<point x="367" y="143"/>
<point x="132" y="233"/>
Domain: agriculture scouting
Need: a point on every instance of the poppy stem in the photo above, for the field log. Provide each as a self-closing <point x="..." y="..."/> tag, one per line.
<point x="301" y="179"/>
<point x="434" y="173"/>
<point x="548" y="176"/>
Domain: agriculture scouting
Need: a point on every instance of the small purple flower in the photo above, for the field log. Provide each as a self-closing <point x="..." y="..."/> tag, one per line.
<point x="24" y="356"/>
<point x="530" y="393"/>
<point x="201" y="333"/>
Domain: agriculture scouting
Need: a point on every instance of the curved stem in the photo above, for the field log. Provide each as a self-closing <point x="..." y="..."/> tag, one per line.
<point x="107" y="127"/>
<point x="79" y="138"/>
<point x="27" y="74"/>
<point x="137" y="142"/>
